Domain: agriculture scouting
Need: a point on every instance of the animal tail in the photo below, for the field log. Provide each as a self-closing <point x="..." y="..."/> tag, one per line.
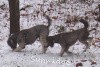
<point x="12" y="41"/>
<point x="86" y="25"/>
<point x="48" y="18"/>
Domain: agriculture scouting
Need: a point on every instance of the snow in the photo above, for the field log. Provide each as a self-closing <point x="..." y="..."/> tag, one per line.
<point x="32" y="55"/>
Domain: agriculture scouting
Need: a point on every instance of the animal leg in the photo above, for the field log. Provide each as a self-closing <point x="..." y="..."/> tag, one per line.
<point x="18" y="49"/>
<point x="86" y="44"/>
<point x="43" y="42"/>
<point x="62" y="51"/>
<point x="21" y="45"/>
<point x="66" y="50"/>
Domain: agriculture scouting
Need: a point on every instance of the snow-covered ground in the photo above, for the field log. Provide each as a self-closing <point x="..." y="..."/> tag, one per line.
<point x="31" y="56"/>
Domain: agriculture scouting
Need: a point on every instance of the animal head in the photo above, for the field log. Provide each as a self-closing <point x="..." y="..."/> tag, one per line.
<point x="50" y="41"/>
<point x="12" y="41"/>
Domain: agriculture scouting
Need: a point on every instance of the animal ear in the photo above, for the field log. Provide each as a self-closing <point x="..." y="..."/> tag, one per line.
<point x="12" y="42"/>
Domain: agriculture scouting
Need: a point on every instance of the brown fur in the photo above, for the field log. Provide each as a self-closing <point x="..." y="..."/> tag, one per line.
<point x="28" y="36"/>
<point x="69" y="38"/>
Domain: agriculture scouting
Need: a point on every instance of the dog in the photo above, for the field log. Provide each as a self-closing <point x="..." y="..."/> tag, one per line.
<point x="28" y="36"/>
<point x="69" y="38"/>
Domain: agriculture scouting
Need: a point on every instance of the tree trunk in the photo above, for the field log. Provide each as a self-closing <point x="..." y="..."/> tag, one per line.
<point x="14" y="16"/>
<point x="99" y="12"/>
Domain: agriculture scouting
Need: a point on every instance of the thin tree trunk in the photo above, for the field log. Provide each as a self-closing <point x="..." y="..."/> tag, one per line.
<point x="99" y="12"/>
<point x="14" y="16"/>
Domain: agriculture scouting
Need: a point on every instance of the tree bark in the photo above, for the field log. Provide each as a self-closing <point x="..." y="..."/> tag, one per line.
<point x="14" y="16"/>
<point x="99" y="12"/>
